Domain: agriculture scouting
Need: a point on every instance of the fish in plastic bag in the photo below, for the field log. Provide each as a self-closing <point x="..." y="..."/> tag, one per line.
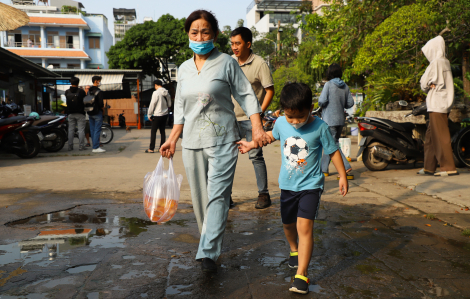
<point x="161" y="193"/>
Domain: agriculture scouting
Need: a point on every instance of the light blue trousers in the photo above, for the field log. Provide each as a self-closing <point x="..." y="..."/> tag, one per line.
<point x="210" y="172"/>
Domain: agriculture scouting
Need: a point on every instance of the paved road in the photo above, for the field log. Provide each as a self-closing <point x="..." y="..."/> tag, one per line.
<point x="74" y="227"/>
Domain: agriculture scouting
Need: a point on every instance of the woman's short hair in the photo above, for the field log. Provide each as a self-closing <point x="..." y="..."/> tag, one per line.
<point x="334" y="71"/>
<point x="202" y="14"/>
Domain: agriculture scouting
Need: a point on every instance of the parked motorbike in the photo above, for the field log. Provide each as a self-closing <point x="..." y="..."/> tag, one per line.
<point x="54" y="131"/>
<point x="269" y="120"/>
<point x="18" y="137"/>
<point x="10" y="110"/>
<point x="386" y="142"/>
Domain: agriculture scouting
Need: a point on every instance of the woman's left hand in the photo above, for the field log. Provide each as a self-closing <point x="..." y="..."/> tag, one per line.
<point x="260" y="137"/>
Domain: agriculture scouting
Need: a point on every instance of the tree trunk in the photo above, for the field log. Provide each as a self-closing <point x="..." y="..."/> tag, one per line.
<point x="465" y="69"/>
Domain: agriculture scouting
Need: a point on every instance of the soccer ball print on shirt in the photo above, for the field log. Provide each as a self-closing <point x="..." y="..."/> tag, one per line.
<point x="295" y="152"/>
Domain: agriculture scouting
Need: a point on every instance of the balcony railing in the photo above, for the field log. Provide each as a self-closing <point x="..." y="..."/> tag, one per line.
<point x="48" y="45"/>
<point x="252" y="4"/>
<point x="23" y="45"/>
<point x="63" y="45"/>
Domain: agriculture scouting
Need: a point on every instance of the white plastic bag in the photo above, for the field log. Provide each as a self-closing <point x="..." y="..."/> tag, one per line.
<point x="161" y="193"/>
<point x="345" y="146"/>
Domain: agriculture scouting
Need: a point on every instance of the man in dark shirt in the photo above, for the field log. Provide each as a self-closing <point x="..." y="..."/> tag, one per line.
<point x="76" y="113"/>
<point x="96" y="115"/>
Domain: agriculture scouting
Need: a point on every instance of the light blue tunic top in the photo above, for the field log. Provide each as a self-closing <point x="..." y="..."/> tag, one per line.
<point x="203" y="102"/>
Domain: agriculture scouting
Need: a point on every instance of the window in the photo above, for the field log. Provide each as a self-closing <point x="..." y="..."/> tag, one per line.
<point x="72" y="40"/>
<point x="73" y="66"/>
<point x="35" y="39"/>
<point x="53" y="39"/>
<point x="173" y="73"/>
<point x="94" y="42"/>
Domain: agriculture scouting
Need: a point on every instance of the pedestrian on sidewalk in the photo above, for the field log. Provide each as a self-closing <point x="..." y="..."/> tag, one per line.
<point x="438" y="83"/>
<point x="303" y="137"/>
<point x="334" y="98"/>
<point x="76" y="113"/>
<point x="204" y="113"/>
<point x="257" y="72"/>
<point x="96" y="115"/>
<point x="87" y="126"/>
<point x="158" y="114"/>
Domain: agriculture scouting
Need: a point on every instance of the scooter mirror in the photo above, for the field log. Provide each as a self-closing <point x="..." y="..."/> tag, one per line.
<point x="403" y="103"/>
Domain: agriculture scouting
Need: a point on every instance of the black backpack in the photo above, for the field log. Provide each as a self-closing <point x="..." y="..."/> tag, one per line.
<point x="89" y="101"/>
<point x="73" y="102"/>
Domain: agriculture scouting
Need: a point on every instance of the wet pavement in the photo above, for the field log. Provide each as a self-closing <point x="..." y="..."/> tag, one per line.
<point x="365" y="247"/>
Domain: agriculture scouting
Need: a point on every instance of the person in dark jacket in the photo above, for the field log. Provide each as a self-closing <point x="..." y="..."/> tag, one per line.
<point x="76" y="113"/>
<point x="334" y="98"/>
<point x="96" y="115"/>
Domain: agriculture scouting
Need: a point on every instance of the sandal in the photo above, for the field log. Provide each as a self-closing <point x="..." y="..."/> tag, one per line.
<point x="349" y="176"/>
<point x="88" y="145"/>
<point x="447" y="173"/>
<point x="427" y="172"/>
<point x="149" y="151"/>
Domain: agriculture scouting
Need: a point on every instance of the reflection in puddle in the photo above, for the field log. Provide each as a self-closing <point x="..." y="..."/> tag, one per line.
<point x="176" y="290"/>
<point x="134" y="274"/>
<point x="56" y="282"/>
<point x="273" y="261"/>
<point x="51" y="244"/>
<point x="94" y="295"/>
<point x="81" y="269"/>
<point x="29" y="296"/>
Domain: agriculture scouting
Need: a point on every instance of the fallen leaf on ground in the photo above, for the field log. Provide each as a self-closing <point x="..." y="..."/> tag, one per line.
<point x="424" y="215"/>
<point x="466" y="209"/>
<point x="457" y="212"/>
<point x="375" y="228"/>
<point x="428" y="224"/>
<point x="445" y="224"/>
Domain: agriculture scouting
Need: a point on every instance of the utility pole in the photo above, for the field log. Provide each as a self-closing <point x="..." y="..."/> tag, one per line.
<point x="278" y="35"/>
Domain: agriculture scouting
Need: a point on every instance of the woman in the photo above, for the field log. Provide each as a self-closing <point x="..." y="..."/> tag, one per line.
<point x="204" y="112"/>
<point x="334" y="98"/>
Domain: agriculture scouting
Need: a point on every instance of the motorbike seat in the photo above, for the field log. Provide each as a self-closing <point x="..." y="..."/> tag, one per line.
<point x="404" y="127"/>
<point x="11" y="120"/>
<point x="44" y="120"/>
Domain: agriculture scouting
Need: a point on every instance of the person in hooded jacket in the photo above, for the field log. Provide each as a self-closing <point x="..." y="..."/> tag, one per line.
<point x="158" y="114"/>
<point x="334" y="98"/>
<point x="438" y="83"/>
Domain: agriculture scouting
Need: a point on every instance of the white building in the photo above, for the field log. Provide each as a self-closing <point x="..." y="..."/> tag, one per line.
<point x="265" y="14"/>
<point x="124" y="19"/>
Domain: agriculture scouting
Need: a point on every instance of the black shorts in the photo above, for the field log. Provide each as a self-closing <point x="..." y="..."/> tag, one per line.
<point x="302" y="204"/>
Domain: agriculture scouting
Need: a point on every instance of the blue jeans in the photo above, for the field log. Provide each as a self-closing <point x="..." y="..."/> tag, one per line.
<point x="256" y="157"/>
<point x="325" y="159"/>
<point x="95" y="128"/>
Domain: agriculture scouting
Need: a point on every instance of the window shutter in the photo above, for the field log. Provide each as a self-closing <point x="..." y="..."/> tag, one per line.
<point x="62" y="41"/>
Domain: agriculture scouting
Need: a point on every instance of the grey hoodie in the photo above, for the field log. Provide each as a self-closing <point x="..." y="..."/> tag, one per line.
<point x="334" y="98"/>
<point x="160" y="103"/>
<point x="440" y="98"/>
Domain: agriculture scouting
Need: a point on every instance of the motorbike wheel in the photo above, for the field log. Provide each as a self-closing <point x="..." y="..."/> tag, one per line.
<point x="34" y="146"/>
<point x="58" y="143"/>
<point x="370" y="161"/>
<point x="462" y="147"/>
<point x="107" y="135"/>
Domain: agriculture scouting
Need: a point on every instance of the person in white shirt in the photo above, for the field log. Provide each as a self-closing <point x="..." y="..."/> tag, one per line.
<point x="158" y="114"/>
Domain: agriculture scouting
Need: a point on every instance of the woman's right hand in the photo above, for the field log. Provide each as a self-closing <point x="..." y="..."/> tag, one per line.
<point x="168" y="149"/>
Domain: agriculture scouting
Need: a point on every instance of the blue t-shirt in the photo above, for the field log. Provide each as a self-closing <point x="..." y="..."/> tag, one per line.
<point x="301" y="153"/>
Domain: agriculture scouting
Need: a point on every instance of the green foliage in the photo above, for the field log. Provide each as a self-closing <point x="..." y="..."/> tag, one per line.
<point x="146" y="46"/>
<point x="69" y="8"/>
<point x="398" y="39"/>
<point x="223" y="41"/>
<point x="240" y="23"/>
<point x="344" y="27"/>
<point x="284" y="75"/>
<point x="458" y="84"/>
<point x="398" y="83"/>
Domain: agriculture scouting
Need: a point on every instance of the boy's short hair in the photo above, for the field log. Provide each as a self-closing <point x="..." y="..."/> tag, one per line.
<point x="296" y="96"/>
<point x="334" y="71"/>
<point x="158" y="82"/>
<point x="74" y="81"/>
<point x="245" y="33"/>
<point x="95" y="78"/>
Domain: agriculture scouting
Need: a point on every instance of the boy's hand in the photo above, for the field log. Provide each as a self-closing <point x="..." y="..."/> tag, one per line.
<point x="244" y="146"/>
<point x="343" y="186"/>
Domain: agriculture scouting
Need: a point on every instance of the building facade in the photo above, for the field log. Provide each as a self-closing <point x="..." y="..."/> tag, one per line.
<point x="264" y="15"/>
<point x="57" y="39"/>
<point x="124" y="19"/>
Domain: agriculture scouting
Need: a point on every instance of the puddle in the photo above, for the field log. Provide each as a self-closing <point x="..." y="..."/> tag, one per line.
<point x="144" y="295"/>
<point x="246" y="233"/>
<point x="116" y="266"/>
<point x="56" y="282"/>
<point x="51" y="243"/>
<point x="273" y="261"/>
<point x="94" y="295"/>
<point x="176" y="290"/>
<point x="134" y="274"/>
<point x="315" y="288"/>
<point x="80" y="269"/>
<point x="128" y="257"/>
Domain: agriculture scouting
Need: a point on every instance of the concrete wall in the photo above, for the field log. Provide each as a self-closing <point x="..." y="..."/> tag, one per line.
<point x="98" y="24"/>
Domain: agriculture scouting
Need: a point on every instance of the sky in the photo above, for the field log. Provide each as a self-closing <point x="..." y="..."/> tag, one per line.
<point x="228" y="12"/>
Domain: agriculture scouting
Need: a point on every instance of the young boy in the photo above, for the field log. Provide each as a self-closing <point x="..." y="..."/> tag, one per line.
<point x="303" y="137"/>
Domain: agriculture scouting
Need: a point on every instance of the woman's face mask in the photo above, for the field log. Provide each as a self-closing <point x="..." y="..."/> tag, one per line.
<point x="201" y="48"/>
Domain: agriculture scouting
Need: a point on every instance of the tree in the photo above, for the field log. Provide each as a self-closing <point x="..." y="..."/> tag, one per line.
<point x="240" y="23"/>
<point x="151" y="44"/>
<point x="223" y="41"/>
